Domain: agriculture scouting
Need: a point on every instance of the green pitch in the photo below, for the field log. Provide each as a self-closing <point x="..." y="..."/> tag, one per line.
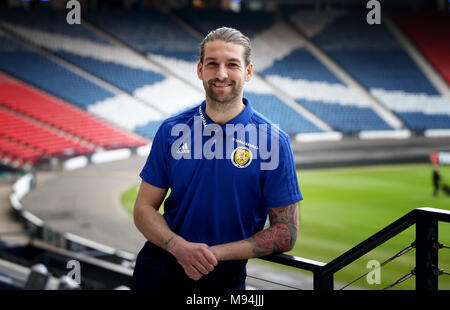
<point x="344" y="206"/>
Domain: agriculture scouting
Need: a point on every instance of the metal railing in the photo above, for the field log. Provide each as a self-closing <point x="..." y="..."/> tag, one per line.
<point x="426" y="244"/>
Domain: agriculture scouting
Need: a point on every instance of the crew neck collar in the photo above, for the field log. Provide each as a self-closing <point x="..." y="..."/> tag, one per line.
<point x="242" y="118"/>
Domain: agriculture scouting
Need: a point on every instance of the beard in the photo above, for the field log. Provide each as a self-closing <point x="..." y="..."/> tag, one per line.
<point x="215" y="95"/>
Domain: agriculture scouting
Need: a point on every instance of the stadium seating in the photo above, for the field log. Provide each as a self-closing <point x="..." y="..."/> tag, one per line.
<point x="18" y="154"/>
<point x="280" y="113"/>
<point x="314" y="87"/>
<point x="249" y="23"/>
<point x="83" y="48"/>
<point x="374" y="58"/>
<point x="45" y="108"/>
<point x="156" y="36"/>
<point x="148" y="31"/>
<point x="48" y="20"/>
<point x="153" y="33"/>
<point x="418" y="26"/>
<point x="279" y="56"/>
<point x="369" y="54"/>
<point x="40" y="137"/>
<point x="120" y="67"/>
<point x="52" y="77"/>
<point x="46" y="74"/>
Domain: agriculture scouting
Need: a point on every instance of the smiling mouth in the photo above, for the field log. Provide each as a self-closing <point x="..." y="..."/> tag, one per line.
<point x="221" y="85"/>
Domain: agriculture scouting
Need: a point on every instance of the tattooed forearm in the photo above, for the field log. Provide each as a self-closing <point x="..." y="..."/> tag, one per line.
<point x="282" y="233"/>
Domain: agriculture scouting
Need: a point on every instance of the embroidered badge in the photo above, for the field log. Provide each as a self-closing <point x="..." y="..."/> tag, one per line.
<point x="241" y="157"/>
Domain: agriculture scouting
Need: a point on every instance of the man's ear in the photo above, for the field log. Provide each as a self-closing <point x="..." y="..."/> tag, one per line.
<point x="249" y="72"/>
<point x="199" y="70"/>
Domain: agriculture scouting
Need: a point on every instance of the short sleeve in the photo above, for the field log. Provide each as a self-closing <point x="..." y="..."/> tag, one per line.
<point x="281" y="186"/>
<point x="155" y="171"/>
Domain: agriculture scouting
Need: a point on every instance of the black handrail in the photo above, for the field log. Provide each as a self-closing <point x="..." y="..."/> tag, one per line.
<point x="426" y="220"/>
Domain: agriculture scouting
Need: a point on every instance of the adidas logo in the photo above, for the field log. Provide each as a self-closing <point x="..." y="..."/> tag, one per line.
<point x="183" y="149"/>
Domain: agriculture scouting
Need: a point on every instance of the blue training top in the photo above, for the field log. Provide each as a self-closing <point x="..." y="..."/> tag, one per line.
<point x="224" y="178"/>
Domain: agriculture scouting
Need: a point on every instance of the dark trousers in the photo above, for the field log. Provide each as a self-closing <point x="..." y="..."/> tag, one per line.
<point x="157" y="269"/>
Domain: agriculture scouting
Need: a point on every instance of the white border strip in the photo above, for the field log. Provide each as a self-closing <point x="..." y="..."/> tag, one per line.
<point x="144" y="150"/>
<point x="15" y="202"/>
<point x="22" y="186"/>
<point x="33" y="219"/>
<point x="384" y="134"/>
<point x="318" y="136"/>
<point x="75" y="163"/>
<point x="444" y="158"/>
<point x="437" y="133"/>
<point x="108" y="156"/>
<point x="89" y="243"/>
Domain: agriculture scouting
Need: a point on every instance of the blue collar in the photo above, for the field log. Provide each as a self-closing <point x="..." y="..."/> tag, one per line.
<point x="243" y="117"/>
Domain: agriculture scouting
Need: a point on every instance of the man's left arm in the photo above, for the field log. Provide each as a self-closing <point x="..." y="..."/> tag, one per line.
<point x="280" y="236"/>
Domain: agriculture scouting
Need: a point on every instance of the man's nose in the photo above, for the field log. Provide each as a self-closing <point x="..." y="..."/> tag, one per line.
<point x="221" y="73"/>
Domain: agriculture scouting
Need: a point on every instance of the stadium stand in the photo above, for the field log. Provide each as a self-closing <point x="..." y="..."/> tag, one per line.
<point x="374" y="58"/>
<point x="148" y="31"/>
<point x="149" y="26"/>
<point x="418" y="26"/>
<point x="16" y="154"/>
<point x="47" y="140"/>
<point x="97" y="53"/>
<point x="314" y="87"/>
<point x="280" y="57"/>
<point x="249" y="23"/>
<point x="164" y="43"/>
<point x="33" y="68"/>
<point x="280" y="113"/>
<point x="44" y="73"/>
<point x="47" y="109"/>
<point x="84" y="49"/>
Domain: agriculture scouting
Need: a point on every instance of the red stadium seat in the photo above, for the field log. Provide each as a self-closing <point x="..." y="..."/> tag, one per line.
<point x="17" y="128"/>
<point x="36" y="104"/>
<point x="15" y="151"/>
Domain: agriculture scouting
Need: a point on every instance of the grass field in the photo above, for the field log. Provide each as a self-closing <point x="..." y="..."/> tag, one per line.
<point x="344" y="206"/>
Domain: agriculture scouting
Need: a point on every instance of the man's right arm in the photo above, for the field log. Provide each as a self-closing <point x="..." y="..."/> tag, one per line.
<point x="195" y="258"/>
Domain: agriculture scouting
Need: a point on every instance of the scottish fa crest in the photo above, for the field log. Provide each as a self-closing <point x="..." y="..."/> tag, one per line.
<point x="241" y="157"/>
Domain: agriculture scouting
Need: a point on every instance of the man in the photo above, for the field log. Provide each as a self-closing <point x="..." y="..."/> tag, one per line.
<point x="214" y="217"/>
<point x="436" y="177"/>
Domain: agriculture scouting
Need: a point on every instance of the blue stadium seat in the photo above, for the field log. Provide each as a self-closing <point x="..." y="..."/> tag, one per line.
<point x="421" y="121"/>
<point x="50" y="30"/>
<point x="50" y="21"/>
<point x="126" y="78"/>
<point x="372" y="55"/>
<point x="46" y="74"/>
<point x="147" y="31"/>
<point x="347" y="119"/>
<point x="300" y="64"/>
<point x="149" y="130"/>
<point x="249" y="23"/>
<point x="280" y="113"/>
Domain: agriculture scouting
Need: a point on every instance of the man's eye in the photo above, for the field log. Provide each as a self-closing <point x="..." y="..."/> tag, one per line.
<point x="211" y="64"/>
<point x="233" y="65"/>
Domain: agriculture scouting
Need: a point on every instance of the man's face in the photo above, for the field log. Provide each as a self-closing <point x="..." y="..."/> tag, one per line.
<point x="223" y="71"/>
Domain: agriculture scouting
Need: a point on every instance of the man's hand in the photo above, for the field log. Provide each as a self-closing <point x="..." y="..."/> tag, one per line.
<point x="195" y="258"/>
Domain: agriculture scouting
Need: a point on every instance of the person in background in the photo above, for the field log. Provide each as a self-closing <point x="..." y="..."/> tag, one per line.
<point x="436" y="179"/>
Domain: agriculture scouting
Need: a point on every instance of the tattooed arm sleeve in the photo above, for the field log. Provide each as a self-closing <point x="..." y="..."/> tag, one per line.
<point x="279" y="237"/>
<point x="282" y="233"/>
